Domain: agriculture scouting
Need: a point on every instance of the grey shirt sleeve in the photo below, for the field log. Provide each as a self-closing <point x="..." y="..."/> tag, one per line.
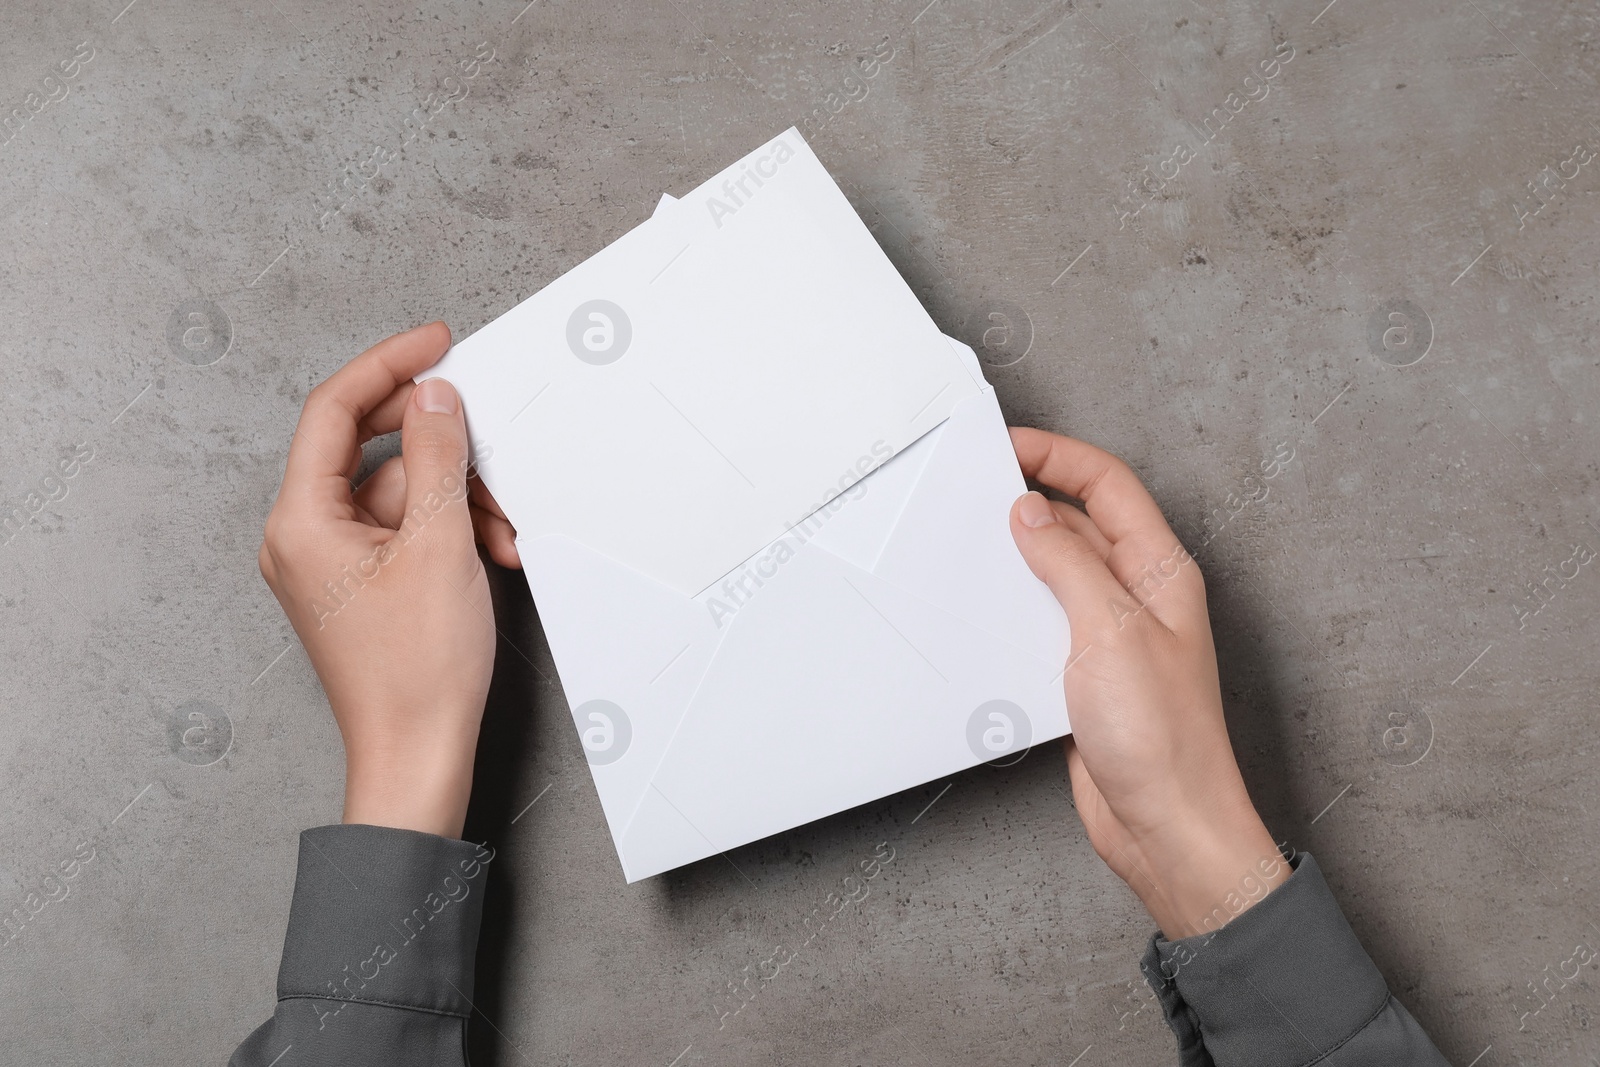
<point x="378" y="958"/>
<point x="1286" y="984"/>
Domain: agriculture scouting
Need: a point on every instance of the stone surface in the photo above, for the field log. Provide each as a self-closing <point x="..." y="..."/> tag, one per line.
<point x="182" y="263"/>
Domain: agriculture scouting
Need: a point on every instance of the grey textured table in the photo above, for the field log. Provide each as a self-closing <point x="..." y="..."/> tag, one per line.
<point x="1353" y="241"/>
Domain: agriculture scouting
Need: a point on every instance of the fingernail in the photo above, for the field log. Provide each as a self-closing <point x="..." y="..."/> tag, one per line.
<point x="1035" y="511"/>
<point x="436" y="396"/>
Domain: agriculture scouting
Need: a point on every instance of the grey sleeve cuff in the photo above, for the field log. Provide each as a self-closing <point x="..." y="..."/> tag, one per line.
<point x="384" y="916"/>
<point x="1284" y="983"/>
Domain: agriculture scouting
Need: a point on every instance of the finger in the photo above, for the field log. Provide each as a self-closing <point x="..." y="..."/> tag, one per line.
<point x="1146" y="557"/>
<point x="387" y="415"/>
<point x="433" y="453"/>
<point x="326" y="446"/>
<point x="381" y="500"/>
<point x="496" y="535"/>
<point x="484" y="499"/>
<point x="1111" y="493"/>
<point x="1071" y="566"/>
<point x="1083" y="526"/>
<point x="383" y="494"/>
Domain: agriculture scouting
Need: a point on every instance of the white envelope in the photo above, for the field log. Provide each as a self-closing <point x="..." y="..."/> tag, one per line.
<point x="894" y="637"/>
<point x="708" y="380"/>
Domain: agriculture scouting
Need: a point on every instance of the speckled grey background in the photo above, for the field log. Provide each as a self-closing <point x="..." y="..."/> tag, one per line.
<point x="223" y="202"/>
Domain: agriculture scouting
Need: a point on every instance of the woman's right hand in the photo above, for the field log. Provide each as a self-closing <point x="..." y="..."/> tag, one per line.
<point x="1153" y="772"/>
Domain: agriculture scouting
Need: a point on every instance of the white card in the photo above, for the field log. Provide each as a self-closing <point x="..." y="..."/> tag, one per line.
<point x="710" y="379"/>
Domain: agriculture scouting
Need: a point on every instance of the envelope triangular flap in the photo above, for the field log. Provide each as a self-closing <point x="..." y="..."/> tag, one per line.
<point x="973" y="569"/>
<point x="858" y="528"/>
<point x="856" y="525"/>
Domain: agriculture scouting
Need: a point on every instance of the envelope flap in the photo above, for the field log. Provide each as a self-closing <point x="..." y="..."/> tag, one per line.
<point x="858" y="526"/>
<point x="959" y="566"/>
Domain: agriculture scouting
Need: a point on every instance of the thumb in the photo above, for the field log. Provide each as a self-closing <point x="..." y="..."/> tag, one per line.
<point x="433" y="451"/>
<point x="1071" y="566"/>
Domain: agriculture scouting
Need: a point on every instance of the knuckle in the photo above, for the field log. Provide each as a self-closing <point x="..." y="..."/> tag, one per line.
<point x="324" y="395"/>
<point x="325" y="402"/>
<point x="1171" y="564"/>
<point x="273" y="533"/>
<point x="287" y="537"/>
<point x="1119" y="478"/>
<point x="317" y="400"/>
<point x="1188" y="579"/>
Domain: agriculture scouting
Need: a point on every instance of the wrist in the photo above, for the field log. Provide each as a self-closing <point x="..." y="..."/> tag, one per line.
<point x="426" y="791"/>
<point x="1200" y="873"/>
